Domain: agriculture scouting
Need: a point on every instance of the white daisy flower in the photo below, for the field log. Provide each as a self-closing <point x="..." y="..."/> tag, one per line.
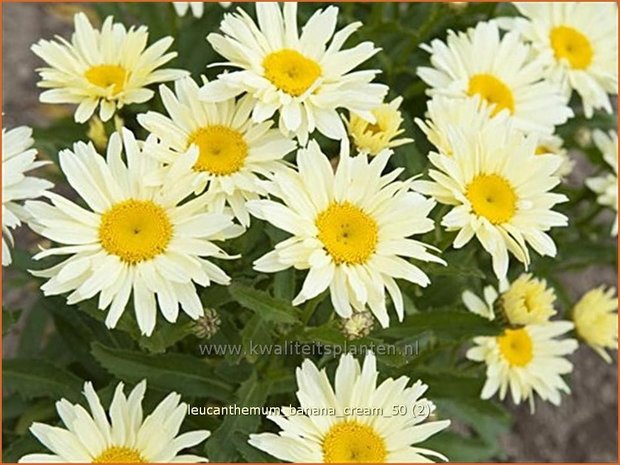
<point x="500" y="71"/>
<point x="555" y="145"/>
<point x="596" y="320"/>
<point x="108" y="68"/>
<point x="120" y="436"/>
<point x="348" y="435"/>
<point x="197" y="8"/>
<point x="18" y="158"/>
<point x="300" y="76"/>
<point x="134" y="238"/>
<point x="348" y="230"/>
<point x="372" y="138"/>
<point x="528" y="360"/>
<point x="527" y="300"/>
<point x="500" y="193"/>
<point x="607" y="186"/>
<point x="578" y="44"/>
<point x="234" y="150"/>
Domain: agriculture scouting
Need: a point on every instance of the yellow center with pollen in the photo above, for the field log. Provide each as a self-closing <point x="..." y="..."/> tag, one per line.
<point x="348" y="233"/>
<point x="121" y="454"/>
<point x="135" y="230"/>
<point x="290" y="71"/>
<point x="352" y="442"/>
<point x="572" y="45"/>
<point x="493" y="90"/>
<point x="492" y="197"/>
<point x="105" y="76"/>
<point x="516" y="347"/>
<point x="222" y="150"/>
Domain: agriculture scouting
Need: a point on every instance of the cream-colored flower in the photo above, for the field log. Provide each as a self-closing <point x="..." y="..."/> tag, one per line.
<point x="555" y="145"/>
<point x="134" y="238"/>
<point x="596" y="320"/>
<point x="120" y="436"/>
<point x="500" y="193"/>
<point x="527" y="300"/>
<point x="234" y="151"/>
<point x="607" y="186"/>
<point x="18" y="158"/>
<point x="302" y="77"/>
<point x="348" y="229"/>
<point x="372" y="138"/>
<point x="577" y="43"/>
<point x="343" y="433"/>
<point x="107" y="68"/>
<point x="527" y="360"/>
<point x="501" y="72"/>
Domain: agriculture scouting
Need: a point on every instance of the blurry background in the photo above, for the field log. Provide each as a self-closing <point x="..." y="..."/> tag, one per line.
<point x="583" y="429"/>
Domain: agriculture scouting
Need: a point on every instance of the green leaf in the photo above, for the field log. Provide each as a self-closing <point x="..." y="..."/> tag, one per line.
<point x="257" y="331"/>
<point x="171" y="372"/>
<point x="251" y="393"/>
<point x="268" y="307"/>
<point x="450" y="323"/>
<point x="459" y="449"/>
<point x="32" y="378"/>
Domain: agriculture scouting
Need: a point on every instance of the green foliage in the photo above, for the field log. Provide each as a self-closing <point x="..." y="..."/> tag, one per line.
<point x="60" y="346"/>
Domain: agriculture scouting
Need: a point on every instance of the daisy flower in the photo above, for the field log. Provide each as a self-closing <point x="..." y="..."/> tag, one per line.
<point x="578" y="46"/>
<point x="301" y="77"/>
<point x="528" y="360"/>
<point x="120" y="436"/>
<point x="471" y="114"/>
<point x="372" y="138"/>
<point x="18" y="158"/>
<point x="348" y="230"/>
<point x="607" y="186"/>
<point x="500" y="193"/>
<point x="347" y="435"/>
<point x="133" y="238"/>
<point x="108" y="68"/>
<point x="596" y="320"/>
<point x="197" y="8"/>
<point x="234" y="150"/>
<point x="527" y="300"/>
<point x="555" y="145"/>
<point x="500" y="71"/>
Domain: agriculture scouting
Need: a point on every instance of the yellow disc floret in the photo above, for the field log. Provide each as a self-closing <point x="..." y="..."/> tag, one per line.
<point x="290" y="71"/>
<point x="493" y="90"/>
<point x="348" y="233"/>
<point x="105" y="76"/>
<point x="135" y="230"/>
<point x="121" y="454"/>
<point x="492" y="197"/>
<point x="570" y="44"/>
<point x="222" y="150"/>
<point x="352" y="442"/>
<point x="516" y="347"/>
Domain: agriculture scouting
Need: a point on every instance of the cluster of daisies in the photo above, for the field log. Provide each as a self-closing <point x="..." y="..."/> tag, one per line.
<point x="147" y="230"/>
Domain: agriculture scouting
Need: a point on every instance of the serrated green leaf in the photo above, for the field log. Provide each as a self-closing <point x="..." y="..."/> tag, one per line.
<point x="173" y="372"/>
<point x="263" y="304"/>
<point x="32" y="378"/>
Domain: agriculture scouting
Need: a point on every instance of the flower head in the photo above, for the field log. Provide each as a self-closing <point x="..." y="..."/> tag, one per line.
<point x="607" y="186"/>
<point x="577" y="44"/>
<point x="134" y="237"/>
<point x="372" y="138"/>
<point x="108" y="68"/>
<point x="305" y="78"/>
<point x="596" y="320"/>
<point x="351" y="230"/>
<point x="18" y="158"/>
<point x="122" y="435"/>
<point x="500" y="71"/>
<point x="341" y="435"/>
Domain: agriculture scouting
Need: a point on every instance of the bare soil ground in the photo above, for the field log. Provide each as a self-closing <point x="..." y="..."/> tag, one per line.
<point x="583" y="429"/>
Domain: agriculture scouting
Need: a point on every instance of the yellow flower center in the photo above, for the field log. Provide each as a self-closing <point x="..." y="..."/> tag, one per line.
<point x="348" y="233"/>
<point x="542" y="150"/>
<point x="105" y="76"/>
<point x="352" y="442"/>
<point x="572" y="45"/>
<point x="222" y="150"/>
<point x="121" y="454"/>
<point x="516" y="347"/>
<point x="290" y="71"/>
<point x="135" y="230"/>
<point x="493" y="91"/>
<point x="493" y="197"/>
<point x="528" y="301"/>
